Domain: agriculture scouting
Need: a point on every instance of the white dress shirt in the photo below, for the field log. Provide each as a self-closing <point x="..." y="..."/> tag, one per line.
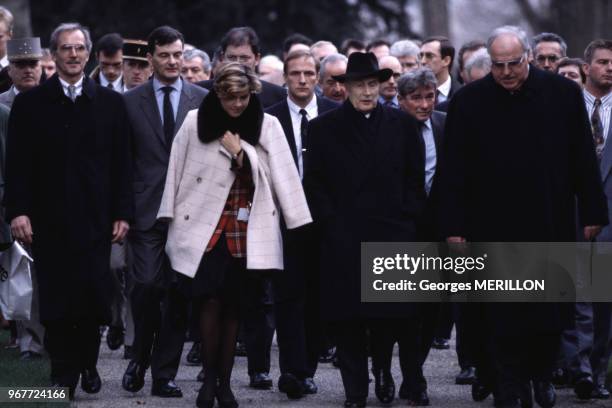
<point x="604" y="110"/>
<point x="4" y="62"/>
<point x="175" y="96"/>
<point x="117" y="85"/>
<point x="444" y="90"/>
<point x="312" y="112"/>
<point x="78" y="87"/>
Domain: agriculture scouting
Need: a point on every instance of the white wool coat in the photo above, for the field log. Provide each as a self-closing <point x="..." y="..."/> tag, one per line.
<point x="198" y="184"/>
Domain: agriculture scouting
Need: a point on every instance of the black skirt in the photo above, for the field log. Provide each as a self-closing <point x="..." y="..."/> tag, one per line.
<point x="219" y="275"/>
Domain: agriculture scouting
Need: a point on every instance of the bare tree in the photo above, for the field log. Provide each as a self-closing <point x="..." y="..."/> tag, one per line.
<point x="435" y="17"/>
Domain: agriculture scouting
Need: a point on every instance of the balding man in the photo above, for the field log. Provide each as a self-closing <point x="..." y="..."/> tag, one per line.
<point x="518" y="158"/>
<point x="388" y="88"/>
<point x="322" y="49"/>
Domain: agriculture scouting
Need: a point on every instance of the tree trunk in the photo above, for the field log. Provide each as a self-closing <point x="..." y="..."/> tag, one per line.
<point x="435" y="17"/>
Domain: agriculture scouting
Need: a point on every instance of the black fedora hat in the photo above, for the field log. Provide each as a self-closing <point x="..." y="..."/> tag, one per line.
<point x="363" y="65"/>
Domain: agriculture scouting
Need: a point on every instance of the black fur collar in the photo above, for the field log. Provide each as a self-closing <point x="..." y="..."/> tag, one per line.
<point x="213" y="121"/>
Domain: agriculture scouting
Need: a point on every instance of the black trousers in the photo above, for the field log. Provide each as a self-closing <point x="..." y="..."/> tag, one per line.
<point x="159" y="309"/>
<point x="258" y="324"/>
<point x="352" y="351"/>
<point x="73" y="345"/>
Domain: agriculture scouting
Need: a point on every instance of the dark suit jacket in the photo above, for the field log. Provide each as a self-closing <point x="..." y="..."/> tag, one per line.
<point x="270" y="94"/>
<point x="514" y="167"/>
<point x="70" y="172"/>
<point x="151" y="151"/>
<point x="300" y="251"/>
<point x="364" y="181"/>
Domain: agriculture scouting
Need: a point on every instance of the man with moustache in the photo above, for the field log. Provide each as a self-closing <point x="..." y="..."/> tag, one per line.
<point x="358" y="154"/>
<point x="24" y="56"/>
<point x="333" y="65"/>
<point x="136" y="66"/>
<point x="487" y="195"/>
<point x="69" y="195"/>
<point x="297" y="319"/>
<point x="388" y="89"/>
<point x="156" y="110"/>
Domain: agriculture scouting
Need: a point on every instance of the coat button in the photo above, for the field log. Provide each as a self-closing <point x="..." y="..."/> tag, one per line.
<point x="199" y="179"/>
<point x="186" y="217"/>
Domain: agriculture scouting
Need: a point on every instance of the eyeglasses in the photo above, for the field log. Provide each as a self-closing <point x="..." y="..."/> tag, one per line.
<point x="551" y="58"/>
<point x="500" y="65"/>
<point x="238" y="58"/>
<point x="77" y="48"/>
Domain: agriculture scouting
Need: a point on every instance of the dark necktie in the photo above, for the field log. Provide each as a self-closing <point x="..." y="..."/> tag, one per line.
<point x="304" y="129"/>
<point x="110" y="86"/>
<point x="168" y="115"/>
<point x="597" y="128"/>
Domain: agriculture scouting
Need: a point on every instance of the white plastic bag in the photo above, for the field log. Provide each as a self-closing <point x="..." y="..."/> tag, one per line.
<point x="15" y="283"/>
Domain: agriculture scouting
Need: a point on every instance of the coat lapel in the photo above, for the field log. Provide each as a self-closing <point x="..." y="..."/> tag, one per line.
<point x="285" y="120"/>
<point x="148" y="104"/>
<point x="185" y="105"/>
<point x="606" y="159"/>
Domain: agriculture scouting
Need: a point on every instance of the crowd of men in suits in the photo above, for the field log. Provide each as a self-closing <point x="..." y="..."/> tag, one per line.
<point x="390" y="145"/>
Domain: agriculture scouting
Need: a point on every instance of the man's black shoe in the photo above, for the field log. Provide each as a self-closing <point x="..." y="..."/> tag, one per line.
<point x="290" y="385"/>
<point x="466" y="376"/>
<point x="440" y="343"/>
<point x="480" y="392"/>
<point x="133" y="379"/>
<point x="544" y="394"/>
<point x="384" y="387"/>
<point x="584" y="387"/>
<point x="29" y="355"/>
<point x="114" y="337"/>
<point x="355" y="403"/>
<point x="193" y="357"/>
<point x="260" y="381"/>
<point x="560" y="378"/>
<point x="600" y="392"/>
<point x="327" y="356"/>
<point x="90" y="380"/>
<point x="418" y="399"/>
<point x="310" y="387"/>
<point x="166" y="389"/>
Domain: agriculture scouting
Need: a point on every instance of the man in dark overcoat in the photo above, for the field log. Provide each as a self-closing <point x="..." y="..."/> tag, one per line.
<point x="364" y="179"/>
<point x="518" y="156"/>
<point x="68" y="193"/>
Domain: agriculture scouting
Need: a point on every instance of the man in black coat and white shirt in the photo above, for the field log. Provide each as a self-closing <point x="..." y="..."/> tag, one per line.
<point x="364" y="180"/>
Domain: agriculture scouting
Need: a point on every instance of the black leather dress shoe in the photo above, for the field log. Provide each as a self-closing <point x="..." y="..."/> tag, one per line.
<point x="226" y="397"/>
<point x="290" y="385"/>
<point x="355" y="403"/>
<point x="90" y="380"/>
<point x="480" y="392"/>
<point x="584" y="387"/>
<point x="560" y="378"/>
<point x="600" y="392"/>
<point x="260" y="381"/>
<point x="466" y="376"/>
<point x="193" y="357"/>
<point x="544" y="394"/>
<point x="440" y="343"/>
<point x="309" y="386"/>
<point x="384" y="387"/>
<point x="166" y="389"/>
<point x="133" y="379"/>
<point x="418" y="399"/>
<point x="114" y="337"/>
<point x="327" y="356"/>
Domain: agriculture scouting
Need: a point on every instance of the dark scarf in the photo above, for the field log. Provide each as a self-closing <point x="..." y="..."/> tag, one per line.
<point x="213" y="121"/>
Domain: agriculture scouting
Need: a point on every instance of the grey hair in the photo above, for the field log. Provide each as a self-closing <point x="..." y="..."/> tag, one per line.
<point x="192" y="53"/>
<point x="518" y="32"/>
<point x="550" y="37"/>
<point x="479" y="59"/>
<point x="413" y="80"/>
<point x="68" y="27"/>
<point x="331" y="59"/>
<point x="404" y="48"/>
<point x="7" y="17"/>
<point x="321" y="43"/>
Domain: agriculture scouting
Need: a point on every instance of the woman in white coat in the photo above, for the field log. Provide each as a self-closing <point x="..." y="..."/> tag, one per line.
<point x="231" y="176"/>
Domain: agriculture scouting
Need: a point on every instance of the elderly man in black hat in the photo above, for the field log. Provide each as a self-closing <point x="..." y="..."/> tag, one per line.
<point x="365" y="183"/>
<point x="24" y="56"/>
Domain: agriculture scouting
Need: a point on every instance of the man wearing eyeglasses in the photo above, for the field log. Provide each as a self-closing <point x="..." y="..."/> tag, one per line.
<point x="241" y="44"/>
<point x="68" y="194"/>
<point x="518" y="160"/>
<point x="548" y="49"/>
